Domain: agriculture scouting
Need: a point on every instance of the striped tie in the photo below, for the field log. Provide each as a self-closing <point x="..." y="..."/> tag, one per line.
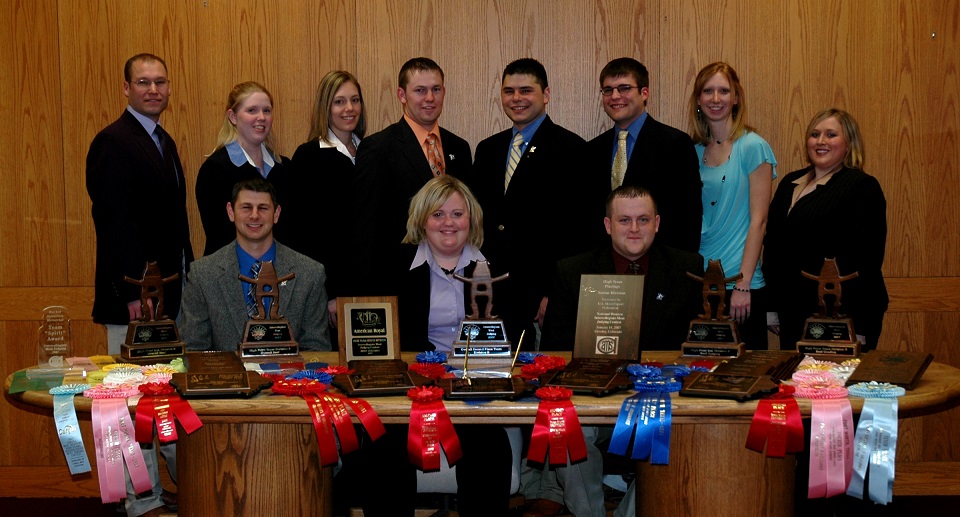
<point x="252" y="290"/>
<point x="619" y="160"/>
<point x="513" y="160"/>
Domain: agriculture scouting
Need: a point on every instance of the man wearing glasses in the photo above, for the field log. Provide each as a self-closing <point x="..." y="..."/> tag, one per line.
<point x="640" y="151"/>
<point x="136" y="184"/>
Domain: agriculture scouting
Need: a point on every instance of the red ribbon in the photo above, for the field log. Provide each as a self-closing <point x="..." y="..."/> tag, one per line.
<point x="322" y="425"/>
<point x="337" y="410"/>
<point x="556" y="428"/>
<point x="367" y="416"/>
<point x="430" y="428"/>
<point x="162" y="405"/>
<point x="777" y="422"/>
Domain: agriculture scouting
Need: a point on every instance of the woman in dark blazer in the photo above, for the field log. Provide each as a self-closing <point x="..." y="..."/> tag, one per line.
<point x="321" y="176"/>
<point x="244" y="150"/>
<point x="444" y="234"/>
<point x="831" y="209"/>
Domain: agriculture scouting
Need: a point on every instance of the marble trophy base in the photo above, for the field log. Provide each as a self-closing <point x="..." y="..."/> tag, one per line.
<point x="713" y="338"/>
<point x="268" y="340"/>
<point x="150" y="342"/>
<point x="829" y="338"/>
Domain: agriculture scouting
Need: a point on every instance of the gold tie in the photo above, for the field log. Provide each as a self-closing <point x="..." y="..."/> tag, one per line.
<point x="434" y="158"/>
<point x="619" y="160"/>
<point x="513" y="160"/>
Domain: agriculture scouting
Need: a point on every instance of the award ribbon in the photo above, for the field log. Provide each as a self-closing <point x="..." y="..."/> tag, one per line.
<point x="322" y="425"/>
<point x="68" y="429"/>
<point x="778" y="424"/>
<point x="161" y="404"/>
<point x="831" y="447"/>
<point x="430" y="428"/>
<point x="113" y="439"/>
<point x="648" y="417"/>
<point x="876" y="441"/>
<point x="556" y="429"/>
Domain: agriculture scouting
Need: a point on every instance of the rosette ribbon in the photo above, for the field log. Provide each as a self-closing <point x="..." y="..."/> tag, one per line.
<point x="160" y="403"/>
<point x="778" y="424"/>
<point x="430" y="429"/>
<point x="68" y="429"/>
<point x="116" y="444"/>
<point x="647" y="416"/>
<point x="831" y="447"/>
<point x="556" y="429"/>
<point x="875" y="443"/>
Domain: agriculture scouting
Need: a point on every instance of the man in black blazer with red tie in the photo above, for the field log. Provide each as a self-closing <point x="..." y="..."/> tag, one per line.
<point x="136" y="183"/>
<point x="657" y="157"/>
<point x="395" y="163"/>
<point x="530" y="172"/>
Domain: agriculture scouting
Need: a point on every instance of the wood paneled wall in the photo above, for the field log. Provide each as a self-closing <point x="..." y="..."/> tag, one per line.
<point x="892" y="63"/>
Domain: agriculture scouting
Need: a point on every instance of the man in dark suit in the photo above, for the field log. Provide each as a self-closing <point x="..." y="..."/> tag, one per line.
<point x="522" y="174"/>
<point x="638" y="150"/>
<point x="216" y="302"/>
<point x="136" y="184"/>
<point x="393" y="164"/>
<point x="670" y="301"/>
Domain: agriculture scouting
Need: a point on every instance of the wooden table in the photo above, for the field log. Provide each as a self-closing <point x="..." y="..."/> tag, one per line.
<point x="259" y="455"/>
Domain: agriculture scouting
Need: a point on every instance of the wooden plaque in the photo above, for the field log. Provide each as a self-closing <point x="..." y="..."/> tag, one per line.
<point x="217" y="374"/>
<point x="736" y="387"/>
<point x="900" y="368"/>
<point x="368" y="328"/>
<point x="608" y="317"/>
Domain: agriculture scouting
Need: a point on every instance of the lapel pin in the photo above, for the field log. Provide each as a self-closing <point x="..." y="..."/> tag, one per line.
<point x="659" y="296"/>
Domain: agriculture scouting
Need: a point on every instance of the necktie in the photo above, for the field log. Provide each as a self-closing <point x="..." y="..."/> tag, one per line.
<point x="166" y="151"/>
<point x="252" y="291"/>
<point x="634" y="268"/>
<point x="513" y="160"/>
<point x="619" y="160"/>
<point x="434" y="158"/>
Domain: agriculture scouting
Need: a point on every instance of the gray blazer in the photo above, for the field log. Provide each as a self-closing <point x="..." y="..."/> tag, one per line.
<point x="214" y="309"/>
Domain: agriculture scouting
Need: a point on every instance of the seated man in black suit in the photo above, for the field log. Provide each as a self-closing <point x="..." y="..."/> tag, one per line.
<point x="639" y="150"/>
<point x="670" y="301"/>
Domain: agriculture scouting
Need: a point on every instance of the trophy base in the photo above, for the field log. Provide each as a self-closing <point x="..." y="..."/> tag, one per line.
<point x="713" y="338"/>
<point x="151" y="341"/>
<point x="719" y="350"/>
<point x="268" y="339"/>
<point x="827" y="338"/>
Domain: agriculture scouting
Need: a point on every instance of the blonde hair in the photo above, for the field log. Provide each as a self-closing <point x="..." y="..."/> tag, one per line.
<point x="851" y="131"/>
<point x="326" y="91"/>
<point x="699" y="131"/>
<point x="239" y="94"/>
<point x="432" y="196"/>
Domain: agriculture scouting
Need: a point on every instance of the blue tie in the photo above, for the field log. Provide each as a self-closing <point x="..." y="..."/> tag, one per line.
<point x="252" y="290"/>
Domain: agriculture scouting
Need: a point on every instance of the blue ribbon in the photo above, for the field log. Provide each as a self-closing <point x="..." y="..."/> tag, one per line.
<point x="626" y="421"/>
<point x="648" y="417"/>
<point x="68" y="429"/>
<point x="876" y="446"/>
<point x="661" y="434"/>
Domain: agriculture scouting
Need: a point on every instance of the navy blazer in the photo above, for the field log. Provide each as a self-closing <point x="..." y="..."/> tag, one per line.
<point x="664" y="161"/>
<point x="140" y="215"/>
<point x="670" y="298"/>
<point x="541" y="216"/>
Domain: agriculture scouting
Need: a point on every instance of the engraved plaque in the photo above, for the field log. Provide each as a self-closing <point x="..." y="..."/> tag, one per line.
<point x="217" y="374"/>
<point x="378" y="377"/>
<point x="368" y="328"/>
<point x="608" y="317"/>
<point x="736" y="387"/>
<point x="597" y="376"/>
<point x="483" y="388"/>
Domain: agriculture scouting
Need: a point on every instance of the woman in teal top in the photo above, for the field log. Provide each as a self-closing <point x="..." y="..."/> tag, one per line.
<point x="737" y="168"/>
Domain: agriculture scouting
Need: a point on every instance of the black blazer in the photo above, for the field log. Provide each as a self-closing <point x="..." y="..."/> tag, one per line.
<point x="140" y="215"/>
<point x="670" y="298"/>
<point x="214" y="190"/>
<point x="412" y="289"/>
<point x="843" y="219"/>
<point x="664" y="161"/>
<point x="541" y="217"/>
<point x="319" y="185"/>
<point x="391" y="169"/>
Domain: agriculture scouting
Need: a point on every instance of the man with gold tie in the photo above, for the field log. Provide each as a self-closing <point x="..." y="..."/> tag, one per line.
<point x="639" y="150"/>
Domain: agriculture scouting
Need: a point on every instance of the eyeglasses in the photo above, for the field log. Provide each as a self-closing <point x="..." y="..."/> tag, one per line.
<point x="145" y="83"/>
<point x="623" y="89"/>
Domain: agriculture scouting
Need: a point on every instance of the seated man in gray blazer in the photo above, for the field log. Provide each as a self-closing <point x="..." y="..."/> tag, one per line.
<point x="217" y="304"/>
<point x="670" y="301"/>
